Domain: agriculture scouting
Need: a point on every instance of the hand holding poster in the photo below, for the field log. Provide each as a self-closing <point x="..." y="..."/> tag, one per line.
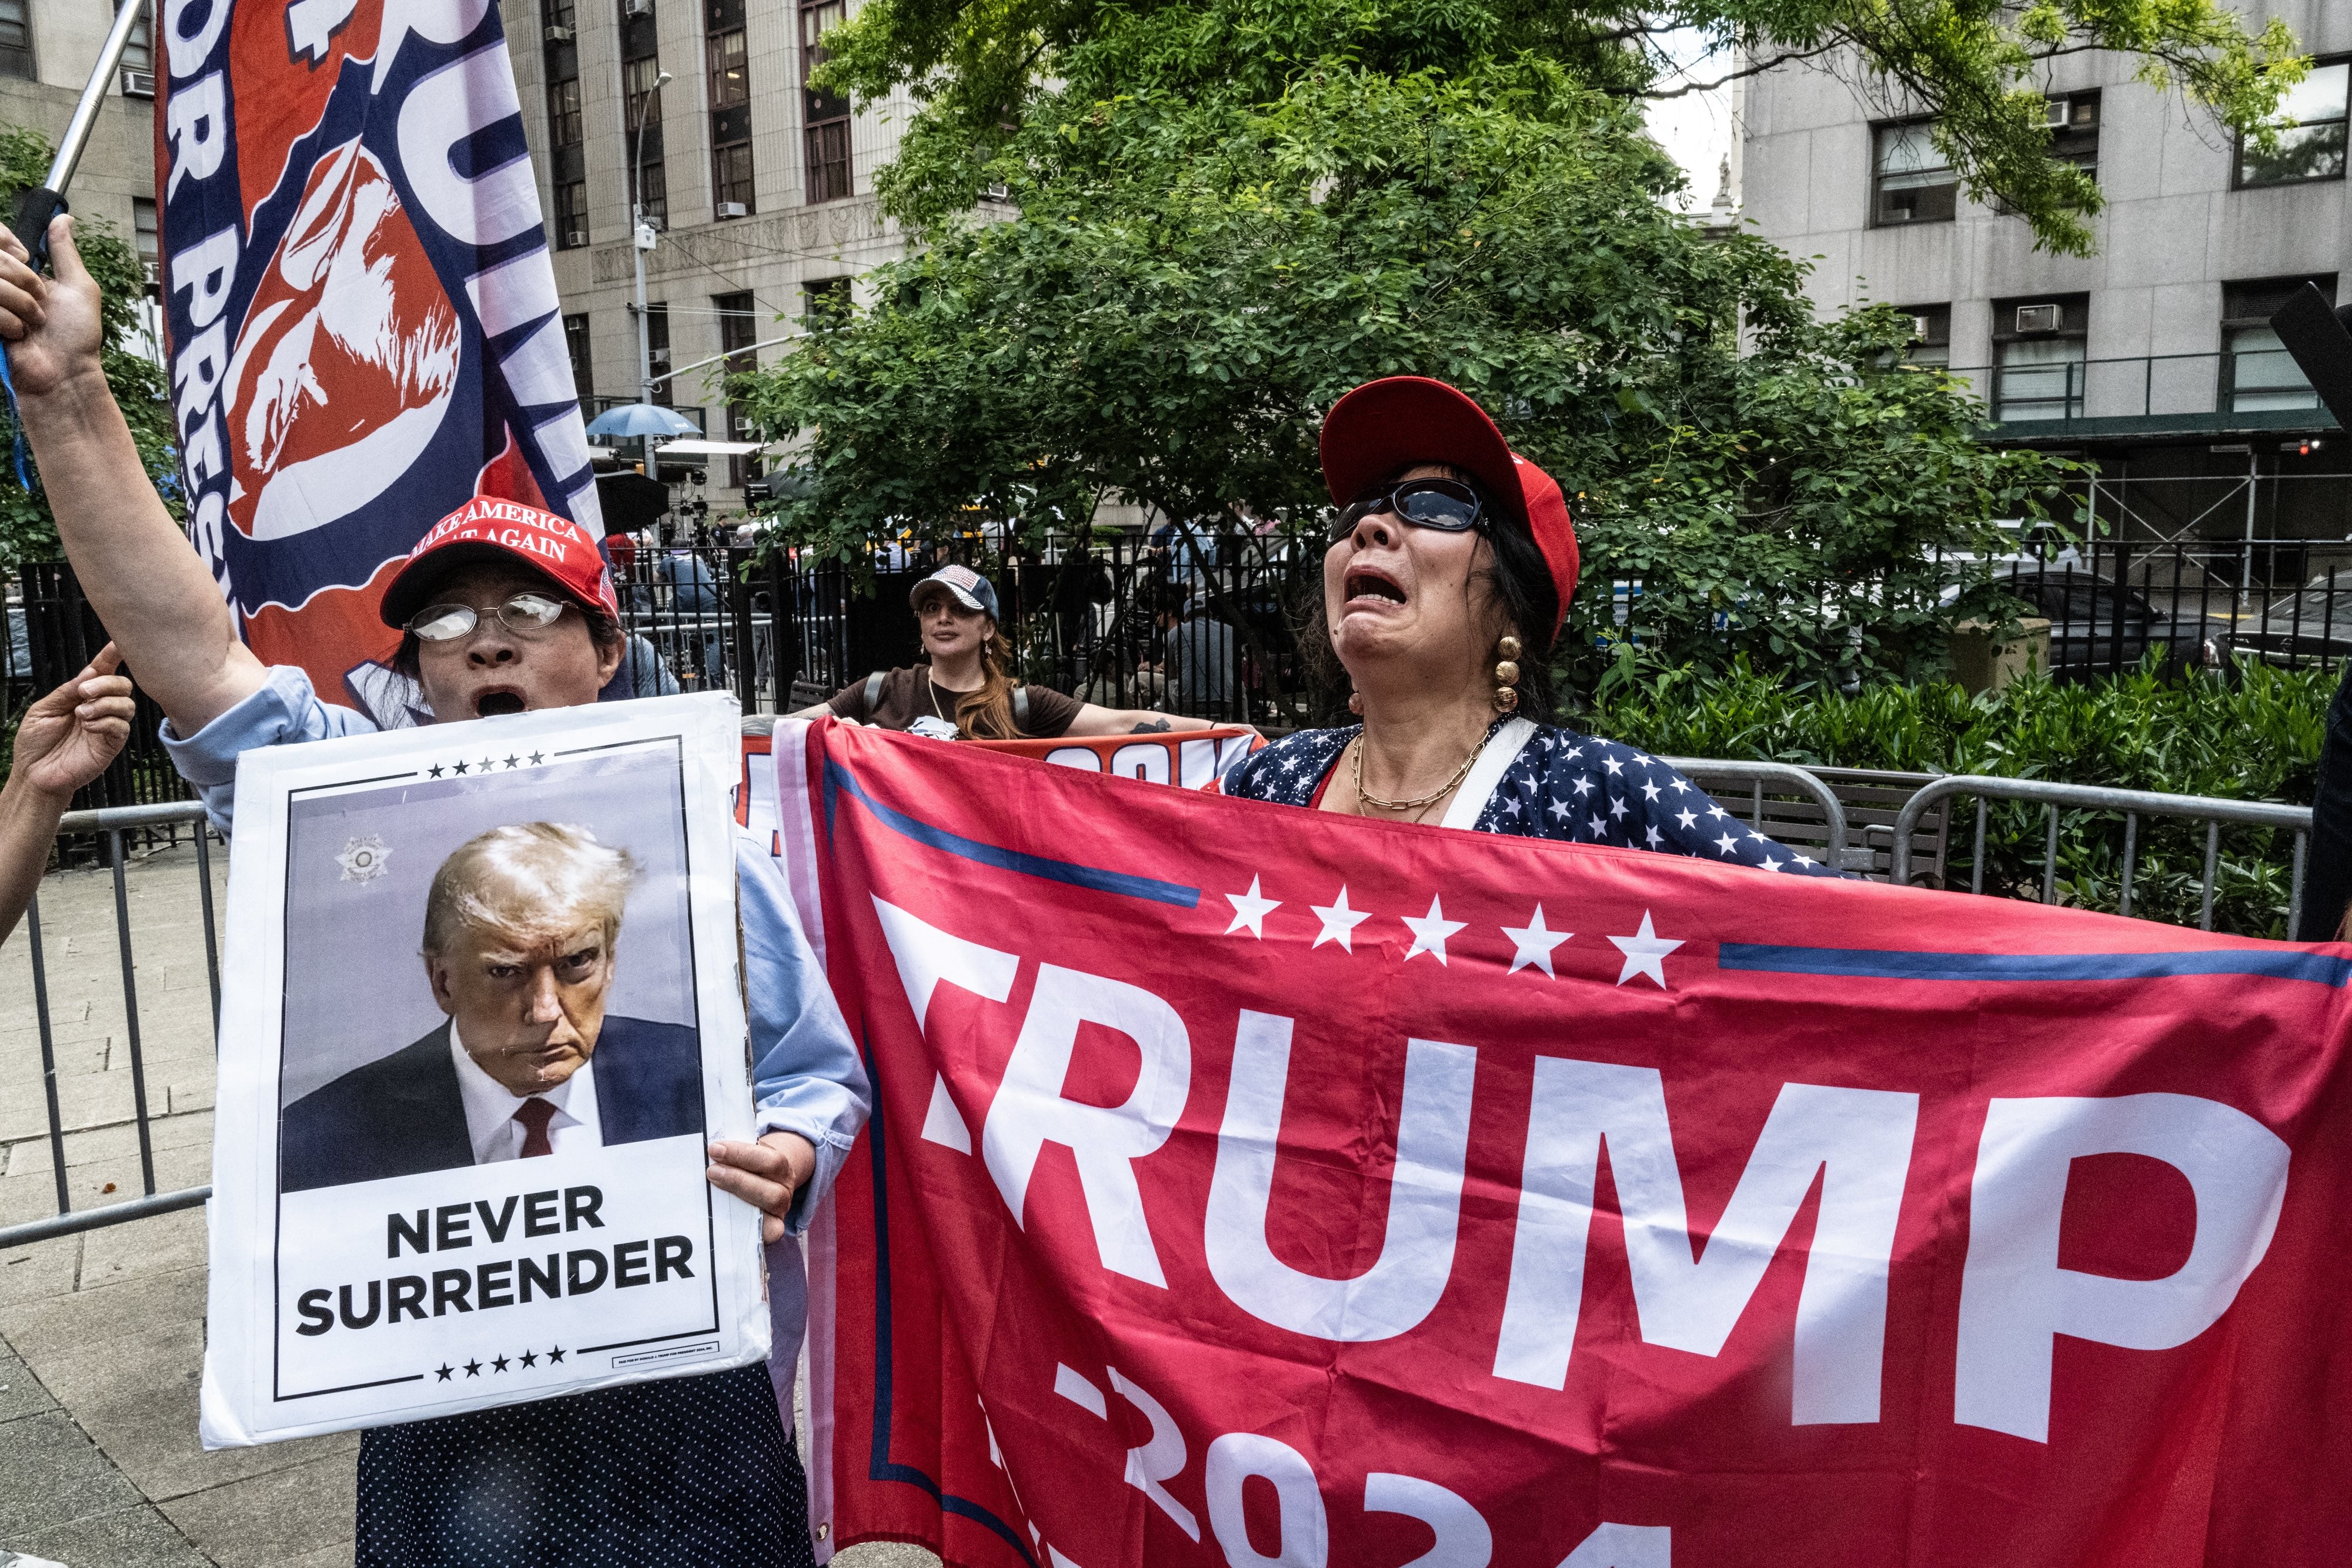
<point x="1249" y="1185"/>
<point x="481" y="1019"/>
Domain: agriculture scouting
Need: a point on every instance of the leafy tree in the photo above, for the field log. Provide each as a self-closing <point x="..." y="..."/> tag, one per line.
<point x="1189" y="283"/>
<point x="985" y="72"/>
<point x="26" y="530"/>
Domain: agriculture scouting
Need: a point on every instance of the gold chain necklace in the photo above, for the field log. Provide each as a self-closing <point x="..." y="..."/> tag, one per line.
<point x="1369" y="798"/>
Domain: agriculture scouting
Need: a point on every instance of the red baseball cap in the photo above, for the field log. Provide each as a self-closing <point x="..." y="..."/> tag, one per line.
<point x="1399" y="421"/>
<point x="489" y="528"/>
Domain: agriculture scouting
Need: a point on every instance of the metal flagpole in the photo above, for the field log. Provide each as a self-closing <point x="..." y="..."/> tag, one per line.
<point x="37" y="206"/>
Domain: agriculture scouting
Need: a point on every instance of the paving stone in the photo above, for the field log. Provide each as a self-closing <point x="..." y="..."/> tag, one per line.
<point x="142" y="1409"/>
<point x="32" y="1157"/>
<point x="54" y="1473"/>
<point x="251" y="1524"/>
<point x="44" y="1269"/>
<point x="137" y="1536"/>
<point x="131" y="1310"/>
<point x="21" y="1393"/>
<point x="157" y="1245"/>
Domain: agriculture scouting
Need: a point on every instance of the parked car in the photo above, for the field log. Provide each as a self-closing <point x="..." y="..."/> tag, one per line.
<point x="2098" y="626"/>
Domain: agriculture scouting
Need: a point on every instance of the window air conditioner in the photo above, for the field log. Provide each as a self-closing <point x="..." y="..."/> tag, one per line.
<point x="577" y="237"/>
<point x="559" y="35"/>
<point x="2038" y="317"/>
<point x="637" y="8"/>
<point x="999" y="192"/>
<point x="138" y="84"/>
<point x="659" y="357"/>
<point x="2054" y="112"/>
<point x="154" y="271"/>
<point x="733" y="210"/>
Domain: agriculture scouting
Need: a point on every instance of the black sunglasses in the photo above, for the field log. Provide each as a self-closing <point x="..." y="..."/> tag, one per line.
<point x="1446" y="504"/>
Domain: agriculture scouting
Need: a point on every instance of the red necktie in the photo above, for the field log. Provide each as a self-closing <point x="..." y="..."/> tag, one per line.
<point x="535" y="1114"/>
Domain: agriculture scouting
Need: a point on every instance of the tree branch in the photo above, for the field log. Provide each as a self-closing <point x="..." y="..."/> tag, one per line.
<point x="1729" y="77"/>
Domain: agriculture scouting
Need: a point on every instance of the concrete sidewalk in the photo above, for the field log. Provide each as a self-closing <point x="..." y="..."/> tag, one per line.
<point x="101" y="1335"/>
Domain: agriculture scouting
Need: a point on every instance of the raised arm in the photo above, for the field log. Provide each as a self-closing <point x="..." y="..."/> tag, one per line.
<point x="64" y="740"/>
<point x="153" y="596"/>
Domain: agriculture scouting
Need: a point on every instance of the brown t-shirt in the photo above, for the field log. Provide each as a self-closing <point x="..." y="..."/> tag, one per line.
<point x="910" y="701"/>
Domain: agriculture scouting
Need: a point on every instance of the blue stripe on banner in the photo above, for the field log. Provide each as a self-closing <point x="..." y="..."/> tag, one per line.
<point x="1864" y="963"/>
<point x="837" y="778"/>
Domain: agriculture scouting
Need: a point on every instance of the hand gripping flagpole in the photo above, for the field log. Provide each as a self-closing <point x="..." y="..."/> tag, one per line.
<point x="37" y="206"/>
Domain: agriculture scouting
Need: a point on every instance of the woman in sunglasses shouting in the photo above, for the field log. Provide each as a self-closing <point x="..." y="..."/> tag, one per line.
<point x="1450" y="568"/>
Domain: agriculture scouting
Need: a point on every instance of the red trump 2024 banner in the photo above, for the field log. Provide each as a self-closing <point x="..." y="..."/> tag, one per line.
<point x="1252" y="1186"/>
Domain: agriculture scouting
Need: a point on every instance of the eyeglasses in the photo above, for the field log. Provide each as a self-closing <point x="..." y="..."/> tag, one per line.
<point x="1446" y="504"/>
<point x="525" y="615"/>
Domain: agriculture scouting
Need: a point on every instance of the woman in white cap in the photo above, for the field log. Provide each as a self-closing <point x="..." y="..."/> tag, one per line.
<point x="502" y="608"/>
<point x="1451" y="564"/>
<point x="966" y="691"/>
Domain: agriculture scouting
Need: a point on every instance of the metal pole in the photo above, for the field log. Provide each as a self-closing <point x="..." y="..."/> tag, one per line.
<point x="637" y="246"/>
<point x="37" y="206"/>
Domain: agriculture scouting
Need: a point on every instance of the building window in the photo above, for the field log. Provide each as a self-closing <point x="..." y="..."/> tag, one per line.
<point x="731" y="109"/>
<point x="825" y="298"/>
<point x="148" y="237"/>
<point x="1931" y="334"/>
<point x="739" y="328"/>
<point x="563" y="125"/>
<point x="826" y="142"/>
<point x="556" y="16"/>
<point x="1911" y="182"/>
<point x="2311" y="133"/>
<point x="139" y="56"/>
<point x="2038" y="364"/>
<point x="2257" y="373"/>
<point x="15" y="39"/>
<point x="2074" y="131"/>
<point x="640" y="67"/>
<point x="570" y="215"/>
<point x="657" y="353"/>
<point x="575" y="343"/>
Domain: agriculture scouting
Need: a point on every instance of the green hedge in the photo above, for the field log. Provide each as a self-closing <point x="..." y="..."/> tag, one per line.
<point x="2255" y="735"/>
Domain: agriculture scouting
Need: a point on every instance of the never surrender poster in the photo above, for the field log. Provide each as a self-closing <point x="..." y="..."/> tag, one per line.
<point x="480" y="1020"/>
<point x="1250" y="1185"/>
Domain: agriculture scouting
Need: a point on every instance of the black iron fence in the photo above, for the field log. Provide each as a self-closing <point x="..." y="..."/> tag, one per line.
<point x="2205" y="603"/>
<point x="1204" y="623"/>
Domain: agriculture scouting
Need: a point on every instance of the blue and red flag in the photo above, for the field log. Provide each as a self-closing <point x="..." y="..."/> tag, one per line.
<point x="363" y="326"/>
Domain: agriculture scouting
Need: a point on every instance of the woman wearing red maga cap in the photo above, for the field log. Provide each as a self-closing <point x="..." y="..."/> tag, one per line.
<point x="1450" y="568"/>
<point x="502" y="608"/>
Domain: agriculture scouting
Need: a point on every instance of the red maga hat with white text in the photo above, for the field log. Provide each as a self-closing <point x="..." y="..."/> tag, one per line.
<point x="1385" y="426"/>
<point x="488" y="528"/>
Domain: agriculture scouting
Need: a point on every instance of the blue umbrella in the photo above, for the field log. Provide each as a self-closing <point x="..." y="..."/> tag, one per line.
<point x="641" y="419"/>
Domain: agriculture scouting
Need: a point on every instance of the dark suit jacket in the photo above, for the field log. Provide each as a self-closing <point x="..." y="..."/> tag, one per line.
<point x="404" y="1114"/>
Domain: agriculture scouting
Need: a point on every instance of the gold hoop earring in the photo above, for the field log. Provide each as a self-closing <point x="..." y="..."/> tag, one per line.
<point x="1507" y="675"/>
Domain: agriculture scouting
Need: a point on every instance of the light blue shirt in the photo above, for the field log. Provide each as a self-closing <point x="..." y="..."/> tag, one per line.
<point x="806" y="1077"/>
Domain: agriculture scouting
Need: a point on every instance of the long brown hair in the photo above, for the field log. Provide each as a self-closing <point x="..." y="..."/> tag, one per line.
<point x="987" y="713"/>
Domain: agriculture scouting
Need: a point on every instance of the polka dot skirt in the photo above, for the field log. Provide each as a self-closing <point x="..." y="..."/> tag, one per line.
<point x="690" y="1472"/>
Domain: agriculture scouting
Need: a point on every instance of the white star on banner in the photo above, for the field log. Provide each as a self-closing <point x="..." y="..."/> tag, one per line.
<point x="1649" y="790"/>
<point x="1682" y="787"/>
<point x="1643" y="951"/>
<point x="1611" y="764"/>
<point x="1534" y="944"/>
<point x="1583" y="785"/>
<point x="1600" y="825"/>
<point x="1339" y="922"/>
<point x="1717" y="812"/>
<point x="1727" y="843"/>
<point x="1558" y="810"/>
<point x="1429" y="932"/>
<point x="1771" y="865"/>
<point x="1687" y="818"/>
<point x="1250" y="909"/>
<point x="1651" y="833"/>
<point x="1616" y="808"/>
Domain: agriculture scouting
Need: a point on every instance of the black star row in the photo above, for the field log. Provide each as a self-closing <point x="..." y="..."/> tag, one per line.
<point x="487" y="765"/>
<point x="443" y="1374"/>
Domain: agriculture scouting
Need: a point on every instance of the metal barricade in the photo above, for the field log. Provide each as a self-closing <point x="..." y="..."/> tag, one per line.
<point x="2133" y="803"/>
<point x="1789" y="777"/>
<point x="113" y="825"/>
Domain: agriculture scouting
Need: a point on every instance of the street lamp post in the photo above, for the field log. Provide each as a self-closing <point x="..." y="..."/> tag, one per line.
<point x="641" y="240"/>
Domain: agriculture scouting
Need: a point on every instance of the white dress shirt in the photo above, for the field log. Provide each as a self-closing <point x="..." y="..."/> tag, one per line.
<point x="490" y="1124"/>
